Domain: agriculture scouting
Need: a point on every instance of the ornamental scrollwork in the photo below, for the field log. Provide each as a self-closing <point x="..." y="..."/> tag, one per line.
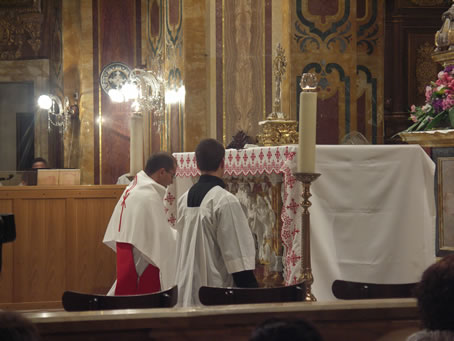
<point x="20" y="24"/>
<point x="426" y="68"/>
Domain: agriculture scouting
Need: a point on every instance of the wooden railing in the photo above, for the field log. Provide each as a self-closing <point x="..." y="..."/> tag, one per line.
<point x="360" y="320"/>
<point x="59" y="243"/>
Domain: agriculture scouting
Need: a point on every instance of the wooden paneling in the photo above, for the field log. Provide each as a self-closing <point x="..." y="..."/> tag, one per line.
<point x="91" y="260"/>
<point x="59" y="243"/>
<point x="6" y="275"/>
<point x="38" y="265"/>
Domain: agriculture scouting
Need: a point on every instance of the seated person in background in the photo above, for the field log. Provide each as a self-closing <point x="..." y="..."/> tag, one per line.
<point x="139" y="233"/>
<point x="435" y="294"/>
<point x="215" y="245"/>
<point x="29" y="178"/>
<point x="15" y="327"/>
<point x="39" y="162"/>
<point x="276" y="330"/>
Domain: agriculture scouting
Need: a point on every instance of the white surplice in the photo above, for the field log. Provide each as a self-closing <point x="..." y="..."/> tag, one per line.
<point x="139" y="219"/>
<point x="214" y="241"/>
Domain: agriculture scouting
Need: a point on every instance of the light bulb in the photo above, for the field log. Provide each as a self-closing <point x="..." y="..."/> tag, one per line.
<point x="171" y="97"/>
<point x="135" y="106"/>
<point x="116" y="96"/>
<point x="181" y="93"/>
<point x="44" y="102"/>
<point x="130" y="91"/>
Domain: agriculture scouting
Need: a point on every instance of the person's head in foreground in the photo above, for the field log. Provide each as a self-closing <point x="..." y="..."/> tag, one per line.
<point x="15" y="327"/>
<point x="285" y="329"/>
<point x="161" y="167"/>
<point x="435" y="295"/>
<point x="209" y="155"/>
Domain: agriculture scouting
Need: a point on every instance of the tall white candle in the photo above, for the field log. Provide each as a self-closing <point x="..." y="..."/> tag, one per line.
<point x="136" y="144"/>
<point x="307" y="132"/>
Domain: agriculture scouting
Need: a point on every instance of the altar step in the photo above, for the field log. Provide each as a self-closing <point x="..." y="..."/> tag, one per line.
<point x="356" y="320"/>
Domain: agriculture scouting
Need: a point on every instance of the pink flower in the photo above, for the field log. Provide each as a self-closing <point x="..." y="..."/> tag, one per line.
<point x="413" y="118"/>
<point x="413" y="108"/>
<point x="447" y="103"/>
<point x="428" y="92"/>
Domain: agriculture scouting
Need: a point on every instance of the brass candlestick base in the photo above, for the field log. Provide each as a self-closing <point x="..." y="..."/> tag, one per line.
<point x="306" y="269"/>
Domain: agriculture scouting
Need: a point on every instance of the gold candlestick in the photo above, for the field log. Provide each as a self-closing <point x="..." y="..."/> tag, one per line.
<point x="306" y="269"/>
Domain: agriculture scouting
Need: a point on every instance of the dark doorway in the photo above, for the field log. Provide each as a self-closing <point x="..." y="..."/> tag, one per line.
<point x="25" y="140"/>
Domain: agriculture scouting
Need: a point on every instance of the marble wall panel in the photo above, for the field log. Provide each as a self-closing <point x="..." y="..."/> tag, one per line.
<point x="153" y="51"/>
<point x="174" y="66"/>
<point x="196" y="74"/>
<point x="243" y="67"/>
<point x="163" y="53"/>
<point x="370" y="69"/>
<point x="78" y="76"/>
<point x="346" y="52"/>
<point x="115" y="41"/>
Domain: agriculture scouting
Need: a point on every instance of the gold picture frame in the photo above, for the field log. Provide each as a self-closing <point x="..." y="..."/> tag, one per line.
<point x="445" y="200"/>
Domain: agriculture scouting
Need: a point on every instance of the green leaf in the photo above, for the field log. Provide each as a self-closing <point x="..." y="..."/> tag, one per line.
<point x="412" y="127"/>
<point x="436" y="120"/>
<point x="422" y="124"/>
<point x="442" y="91"/>
<point x="451" y="116"/>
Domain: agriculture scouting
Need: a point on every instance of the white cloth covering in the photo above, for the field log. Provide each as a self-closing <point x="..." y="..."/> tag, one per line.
<point x="214" y="241"/>
<point x="372" y="214"/>
<point x="123" y="179"/>
<point x="139" y="219"/>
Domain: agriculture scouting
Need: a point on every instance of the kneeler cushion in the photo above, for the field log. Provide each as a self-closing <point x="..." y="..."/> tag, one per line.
<point x="127" y="281"/>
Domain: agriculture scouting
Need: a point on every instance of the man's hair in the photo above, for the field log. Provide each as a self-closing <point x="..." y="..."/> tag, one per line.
<point x="209" y="154"/>
<point x="435" y="294"/>
<point x="158" y="161"/>
<point x="39" y="159"/>
<point x="285" y="329"/>
<point x="15" y="327"/>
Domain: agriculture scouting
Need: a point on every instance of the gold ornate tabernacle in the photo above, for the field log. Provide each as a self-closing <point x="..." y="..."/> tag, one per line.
<point x="276" y="129"/>
<point x="444" y="39"/>
<point x="278" y="132"/>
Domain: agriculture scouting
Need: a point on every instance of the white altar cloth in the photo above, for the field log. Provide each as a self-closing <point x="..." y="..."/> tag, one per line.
<point x="372" y="213"/>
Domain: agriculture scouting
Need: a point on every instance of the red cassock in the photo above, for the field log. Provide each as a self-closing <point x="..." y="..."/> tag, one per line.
<point x="128" y="281"/>
<point x="145" y="243"/>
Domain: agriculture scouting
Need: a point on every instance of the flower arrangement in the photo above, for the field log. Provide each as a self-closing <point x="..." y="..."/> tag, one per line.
<point x="438" y="111"/>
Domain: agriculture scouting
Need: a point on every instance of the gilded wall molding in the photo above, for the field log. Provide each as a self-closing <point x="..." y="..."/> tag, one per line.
<point x="426" y="68"/>
<point x="428" y="2"/>
<point x="20" y="24"/>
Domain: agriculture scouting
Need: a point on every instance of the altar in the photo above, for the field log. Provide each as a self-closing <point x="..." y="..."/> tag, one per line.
<point x="372" y="213"/>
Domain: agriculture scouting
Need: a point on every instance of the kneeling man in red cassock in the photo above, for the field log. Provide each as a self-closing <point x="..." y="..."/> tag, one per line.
<point x="139" y="233"/>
